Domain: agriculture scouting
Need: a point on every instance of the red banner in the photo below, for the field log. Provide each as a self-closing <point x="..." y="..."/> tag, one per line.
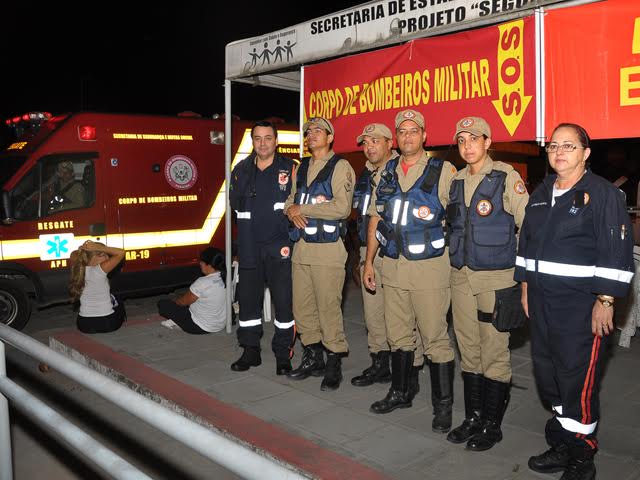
<point x="489" y="72"/>
<point x="593" y="68"/>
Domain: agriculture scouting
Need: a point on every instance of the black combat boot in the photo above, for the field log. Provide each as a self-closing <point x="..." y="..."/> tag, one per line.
<point x="580" y="465"/>
<point x="250" y="358"/>
<point x="283" y="365"/>
<point x="441" y="395"/>
<point x="312" y="363"/>
<point x="333" y="372"/>
<point x="378" y="372"/>
<point x="496" y="398"/>
<point x="414" y="382"/>
<point x="473" y="391"/>
<point x="398" y="396"/>
<point x="553" y="460"/>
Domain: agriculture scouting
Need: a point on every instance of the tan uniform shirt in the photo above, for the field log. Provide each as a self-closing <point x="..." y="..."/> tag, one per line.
<point x="514" y="199"/>
<point x="431" y="273"/>
<point x="338" y="208"/>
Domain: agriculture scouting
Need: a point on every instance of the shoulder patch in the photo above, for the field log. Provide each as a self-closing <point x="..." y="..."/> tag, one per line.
<point x="519" y="187"/>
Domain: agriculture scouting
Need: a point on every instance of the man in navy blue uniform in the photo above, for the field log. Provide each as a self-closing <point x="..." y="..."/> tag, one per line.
<point x="575" y="256"/>
<point x="260" y="184"/>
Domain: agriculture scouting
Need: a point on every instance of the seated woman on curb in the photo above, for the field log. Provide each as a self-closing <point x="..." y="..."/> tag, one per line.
<point x="202" y="308"/>
<point x="99" y="312"/>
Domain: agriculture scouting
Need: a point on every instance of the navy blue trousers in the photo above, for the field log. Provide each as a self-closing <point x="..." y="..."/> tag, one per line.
<point x="272" y="271"/>
<point x="567" y="360"/>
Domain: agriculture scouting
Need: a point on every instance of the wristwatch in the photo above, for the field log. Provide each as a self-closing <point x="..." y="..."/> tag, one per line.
<point x="606" y="300"/>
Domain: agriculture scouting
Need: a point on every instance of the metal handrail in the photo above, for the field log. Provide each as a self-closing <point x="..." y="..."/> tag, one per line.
<point x="235" y="457"/>
<point x="48" y="418"/>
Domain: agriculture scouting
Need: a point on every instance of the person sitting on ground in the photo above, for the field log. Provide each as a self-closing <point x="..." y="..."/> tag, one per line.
<point x="100" y="312"/>
<point x="202" y="308"/>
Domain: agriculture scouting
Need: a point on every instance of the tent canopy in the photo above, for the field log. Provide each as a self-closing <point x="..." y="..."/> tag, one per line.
<point x="274" y="59"/>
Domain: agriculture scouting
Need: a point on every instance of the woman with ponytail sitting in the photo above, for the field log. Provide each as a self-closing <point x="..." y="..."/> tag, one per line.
<point x="202" y="308"/>
<point x="99" y="312"/>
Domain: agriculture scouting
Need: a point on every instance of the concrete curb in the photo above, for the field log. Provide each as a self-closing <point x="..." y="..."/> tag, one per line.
<point x="293" y="451"/>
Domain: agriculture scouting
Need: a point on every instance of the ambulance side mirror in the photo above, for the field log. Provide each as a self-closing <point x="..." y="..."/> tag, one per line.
<point x="7" y="211"/>
<point x="216" y="137"/>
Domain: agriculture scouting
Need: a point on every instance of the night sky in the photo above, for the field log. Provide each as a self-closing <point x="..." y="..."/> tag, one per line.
<point x="138" y="57"/>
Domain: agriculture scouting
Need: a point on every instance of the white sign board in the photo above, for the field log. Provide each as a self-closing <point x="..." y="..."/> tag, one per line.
<point x="365" y="26"/>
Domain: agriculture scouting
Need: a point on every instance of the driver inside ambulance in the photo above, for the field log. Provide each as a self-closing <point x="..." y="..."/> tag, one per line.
<point x="63" y="190"/>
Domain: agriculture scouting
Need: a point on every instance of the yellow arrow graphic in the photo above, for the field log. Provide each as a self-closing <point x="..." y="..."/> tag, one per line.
<point x="512" y="102"/>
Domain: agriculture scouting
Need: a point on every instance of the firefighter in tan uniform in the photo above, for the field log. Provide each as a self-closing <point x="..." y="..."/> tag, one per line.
<point x="407" y="215"/>
<point x="376" y="141"/>
<point x="318" y="206"/>
<point x="486" y="203"/>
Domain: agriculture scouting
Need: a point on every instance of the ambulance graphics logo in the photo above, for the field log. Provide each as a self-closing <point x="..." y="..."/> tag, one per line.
<point x="56" y="246"/>
<point x="180" y="172"/>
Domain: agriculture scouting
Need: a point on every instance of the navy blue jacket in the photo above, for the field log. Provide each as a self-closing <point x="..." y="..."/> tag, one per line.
<point x="244" y="201"/>
<point x="584" y="243"/>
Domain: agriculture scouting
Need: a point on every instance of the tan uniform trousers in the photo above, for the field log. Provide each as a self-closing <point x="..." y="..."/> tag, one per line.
<point x="317" y="301"/>
<point x="426" y="309"/>
<point x="483" y="349"/>
<point x="373" y="304"/>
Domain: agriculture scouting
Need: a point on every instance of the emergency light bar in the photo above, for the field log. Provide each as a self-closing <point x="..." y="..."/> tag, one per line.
<point x="31" y="117"/>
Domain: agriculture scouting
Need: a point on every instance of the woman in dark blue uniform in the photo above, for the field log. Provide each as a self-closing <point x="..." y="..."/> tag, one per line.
<point x="575" y="256"/>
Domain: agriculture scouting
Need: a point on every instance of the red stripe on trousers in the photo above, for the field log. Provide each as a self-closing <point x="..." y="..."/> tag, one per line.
<point x="587" y="389"/>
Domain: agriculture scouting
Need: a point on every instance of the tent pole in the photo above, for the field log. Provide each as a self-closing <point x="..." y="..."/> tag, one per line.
<point x="227" y="210"/>
<point x="301" y="122"/>
<point x="540" y="76"/>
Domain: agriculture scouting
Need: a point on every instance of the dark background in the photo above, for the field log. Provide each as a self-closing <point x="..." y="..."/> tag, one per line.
<point x="139" y="57"/>
<point x="142" y="57"/>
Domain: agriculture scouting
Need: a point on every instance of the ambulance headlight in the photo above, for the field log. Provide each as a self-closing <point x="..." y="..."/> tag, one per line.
<point x="217" y="137"/>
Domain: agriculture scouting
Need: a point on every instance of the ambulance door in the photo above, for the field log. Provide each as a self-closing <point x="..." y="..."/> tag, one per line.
<point x="180" y="207"/>
<point x="153" y="219"/>
<point x="57" y="208"/>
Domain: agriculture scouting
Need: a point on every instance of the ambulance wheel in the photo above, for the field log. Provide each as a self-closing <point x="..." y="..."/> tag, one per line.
<point x="15" y="307"/>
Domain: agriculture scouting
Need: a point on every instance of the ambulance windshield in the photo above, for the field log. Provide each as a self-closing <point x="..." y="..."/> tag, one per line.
<point x="9" y="164"/>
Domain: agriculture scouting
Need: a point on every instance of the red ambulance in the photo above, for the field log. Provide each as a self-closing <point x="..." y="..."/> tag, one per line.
<point x="153" y="185"/>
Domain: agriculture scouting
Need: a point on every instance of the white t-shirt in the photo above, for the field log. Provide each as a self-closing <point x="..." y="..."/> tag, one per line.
<point x="209" y="311"/>
<point x="95" y="300"/>
<point x="557" y="192"/>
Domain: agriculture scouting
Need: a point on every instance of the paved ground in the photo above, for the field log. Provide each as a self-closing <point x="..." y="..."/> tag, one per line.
<point x="36" y="455"/>
<point x="332" y="434"/>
